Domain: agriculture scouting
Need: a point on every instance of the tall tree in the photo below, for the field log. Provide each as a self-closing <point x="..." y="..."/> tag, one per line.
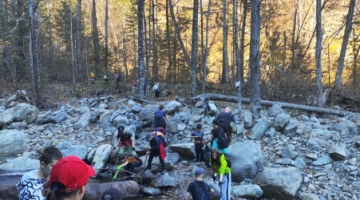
<point x="95" y="35"/>
<point x="255" y="58"/>
<point x="34" y="53"/>
<point x="106" y="34"/>
<point x="140" y="15"/>
<point x="237" y="59"/>
<point x="205" y="55"/>
<point x="154" y="41"/>
<point x="225" y="69"/>
<point x="242" y="41"/>
<point x="168" y="43"/>
<point x="318" y="53"/>
<point x="78" y="38"/>
<point x="194" y="46"/>
<point x="348" y="27"/>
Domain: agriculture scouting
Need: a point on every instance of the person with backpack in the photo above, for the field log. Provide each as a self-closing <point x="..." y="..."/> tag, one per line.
<point x="218" y="138"/>
<point x="160" y="117"/>
<point x="210" y="108"/>
<point x="125" y="141"/>
<point x="128" y="163"/>
<point x="199" y="144"/>
<point x="160" y="132"/>
<point x="156" y="89"/>
<point x="156" y="149"/>
<point x="225" y="118"/>
<point x="198" y="189"/>
<point x="221" y="165"/>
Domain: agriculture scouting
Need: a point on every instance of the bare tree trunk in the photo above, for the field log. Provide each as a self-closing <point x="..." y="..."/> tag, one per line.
<point x="356" y="51"/>
<point x="95" y="36"/>
<point x="237" y="59"/>
<point x="292" y="65"/>
<point x="348" y="27"/>
<point x="177" y="31"/>
<point x="154" y="42"/>
<point x="140" y="14"/>
<point x="73" y="67"/>
<point x="124" y="54"/>
<point x="255" y="58"/>
<point x="106" y="35"/>
<point x="34" y="50"/>
<point x="318" y="54"/>
<point x="78" y="38"/>
<point x="225" y="71"/>
<point x="194" y="46"/>
<point x="242" y="41"/>
<point x="206" y="47"/>
<point x="170" y="69"/>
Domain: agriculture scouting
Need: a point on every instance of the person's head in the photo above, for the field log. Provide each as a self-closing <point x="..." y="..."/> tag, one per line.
<point x="215" y="157"/>
<point x="49" y="156"/>
<point x="206" y="100"/>
<point x="199" y="172"/>
<point x="215" y="123"/>
<point x="149" y="137"/>
<point x="161" y="107"/>
<point x="121" y="129"/>
<point x="198" y="127"/>
<point x="68" y="178"/>
<point x="122" y="157"/>
<point x="111" y="194"/>
<point x="227" y="109"/>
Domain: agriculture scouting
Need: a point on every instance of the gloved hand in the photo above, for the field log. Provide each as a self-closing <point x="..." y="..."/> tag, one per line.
<point x="220" y="183"/>
<point x="115" y="177"/>
<point x="118" y="167"/>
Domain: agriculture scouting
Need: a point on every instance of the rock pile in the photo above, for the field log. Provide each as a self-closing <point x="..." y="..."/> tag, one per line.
<point x="282" y="155"/>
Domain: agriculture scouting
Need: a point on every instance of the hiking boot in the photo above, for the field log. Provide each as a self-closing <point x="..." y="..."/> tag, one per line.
<point x="163" y="171"/>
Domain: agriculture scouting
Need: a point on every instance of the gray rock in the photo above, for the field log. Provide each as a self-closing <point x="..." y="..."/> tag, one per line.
<point x="146" y="115"/>
<point x="25" y="112"/>
<point x="291" y="127"/>
<point x="105" y="116"/>
<point x="341" y="128"/>
<point x="68" y="149"/>
<point x="280" y="121"/>
<point x="164" y="181"/>
<point x="101" y="157"/>
<point x="279" y="183"/>
<point x="275" y="110"/>
<point x="151" y="191"/>
<point x="308" y="196"/>
<point x="90" y="155"/>
<point x="21" y="163"/>
<point x="248" y="119"/>
<point x="6" y="117"/>
<point x="245" y="165"/>
<point x="13" y="142"/>
<point x="186" y="149"/>
<point x="127" y="189"/>
<point x="173" y="106"/>
<point x="60" y="117"/>
<point x="323" y="160"/>
<point x="315" y="143"/>
<point x="259" y="129"/>
<point x="247" y="191"/>
<point x="350" y="125"/>
<point x="120" y="120"/>
<point x="284" y="161"/>
<point x="136" y="108"/>
<point x="338" y="152"/>
<point x="84" y="119"/>
<point x="289" y="152"/>
<point x="300" y="163"/>
<point x="270" y="132"/>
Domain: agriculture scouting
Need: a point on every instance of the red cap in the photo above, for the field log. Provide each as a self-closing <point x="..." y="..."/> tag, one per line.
<point x="72" y="172"/>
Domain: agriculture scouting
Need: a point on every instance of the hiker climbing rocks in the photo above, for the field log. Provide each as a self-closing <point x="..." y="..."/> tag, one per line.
<point x="218" y="138"/>
<point x="106" y="79"/>
<point x="160" y="132"/>
<point x="210" y="108"/>
<point x="125" y="141"/>
<point x="220" y="166"/>
<point x="156" y="89"/>
<point x="128" y="163"/>
<point x="225" y="118"/>
<point x="199" y="141"/>
<point x="160" y="117"/>
<point x="198" y="189"/>
<point x="156" y="148"/>
<point x="92" y="76"/>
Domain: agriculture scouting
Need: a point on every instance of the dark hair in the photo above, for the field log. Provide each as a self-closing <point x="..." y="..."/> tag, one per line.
<point x="216" y="122"/>
<point x="49" y="154"/>
<point x="217" y="160"/>
<point x="198" y="126"/>
<point x="161" y="107"/>
<point x="123" y="156"/>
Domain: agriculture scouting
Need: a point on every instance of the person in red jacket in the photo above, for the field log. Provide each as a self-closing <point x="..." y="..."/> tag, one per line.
<point x="156" y="149"/>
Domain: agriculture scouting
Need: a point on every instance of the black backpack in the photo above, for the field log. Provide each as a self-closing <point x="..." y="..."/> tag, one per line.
<point x="224" y="121"/>
<point x="228" y="162"/>
<point x="222" y="140"/>
<point x="202" y="191"/>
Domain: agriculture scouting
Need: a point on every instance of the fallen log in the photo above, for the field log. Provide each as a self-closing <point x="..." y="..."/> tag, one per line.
<point x="222" y="97"/>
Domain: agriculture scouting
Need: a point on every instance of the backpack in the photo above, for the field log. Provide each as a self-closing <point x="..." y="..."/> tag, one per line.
<point x="233" y="127"/>
<point x="212" y="105"/>
<point x="159" y="114"/>
<point x="202" y="191"/>
<point x="224" y="121"/>
<point x="222" y="140"/>
<point x="228" y="161"/>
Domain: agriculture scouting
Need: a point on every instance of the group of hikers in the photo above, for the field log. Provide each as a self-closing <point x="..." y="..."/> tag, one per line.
<point x="65" y="177"/>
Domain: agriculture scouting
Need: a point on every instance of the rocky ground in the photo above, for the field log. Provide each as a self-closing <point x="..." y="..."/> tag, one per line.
<point x="286" y="154"/>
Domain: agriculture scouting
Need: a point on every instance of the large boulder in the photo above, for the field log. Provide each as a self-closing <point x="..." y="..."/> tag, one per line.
<point x="25" y="112"/>
<point x="84" y="119"/>
<point x="147" y="115"/>
<point x="126" y="189"/>
<point x="259" y="129"/>
<point x="164" y="181"/>
<point x="246" y="159"/>
<point x="186" y="149"/>
<point x="101" y="157"/>
<point x="21" y="163"/>
<point x="13" y="142"/>
<point x="279" y="183"/>
<point x="280" y="121"/>
<point x="68" y="149"/>
<point x="6" y="117"/>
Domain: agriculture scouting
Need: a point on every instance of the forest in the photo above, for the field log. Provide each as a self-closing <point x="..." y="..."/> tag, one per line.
<point x="291" y="51"/>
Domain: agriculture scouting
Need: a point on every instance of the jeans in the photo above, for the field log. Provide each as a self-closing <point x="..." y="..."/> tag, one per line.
<point x="225" y="187"/>
<point x="151" y="156"/>
<point x="199" y="152"/>
<point x="131" y="166"/>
